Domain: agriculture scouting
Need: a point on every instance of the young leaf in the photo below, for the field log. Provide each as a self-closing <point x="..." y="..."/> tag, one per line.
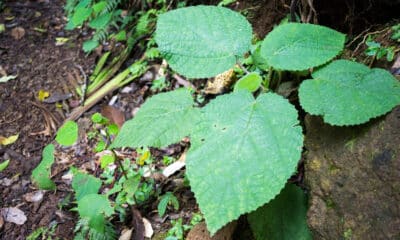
<point x="349" y="93"/>
<point x="163" y="119"/>
<point x="250" y="82"/>
<point x="251" y="145"/>
<point x="106" y="160"/>
<point x="95" y="208"/>
<point x="284" y="218"/>
<point x="89" y="45"/>
<point x="202" y="41"/>
<point x="4" y="165"/>
<point x="81" y="14"/>
<point x="100" y="21"/>
<point x="98" y="7"/>
<point x="41" y="174"/>
<point x="166" y="199"/>
<point x="131" y="185"/>
<point x="67" y="134"/>
<point x="85" y="184"/>
<point x="297" y="47"/>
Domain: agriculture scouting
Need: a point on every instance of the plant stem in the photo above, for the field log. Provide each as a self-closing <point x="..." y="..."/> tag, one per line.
<point x="126" y="76"/>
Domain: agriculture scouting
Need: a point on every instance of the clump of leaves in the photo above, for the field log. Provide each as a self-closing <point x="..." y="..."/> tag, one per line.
<point x="110" y="19"/>
<point x="248" y="145"/>
<point x="396" y="32"/>
<point x="167" y="199"/>
<point x="43" y="233"/>
<point x="93" y="208"/>
<point x="178" y="229"/>
<point x="376" y="50"/>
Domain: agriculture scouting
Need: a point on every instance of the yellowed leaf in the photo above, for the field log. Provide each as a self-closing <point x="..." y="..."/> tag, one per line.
<point x="8" y="140"/>
<point x="42" y="95"/>
<point x="143" y="158"/>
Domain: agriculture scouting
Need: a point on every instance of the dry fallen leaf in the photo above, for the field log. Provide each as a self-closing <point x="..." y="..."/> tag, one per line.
<point x="8" y="140"/>
<point x="18" y="33"/>
<point x="13" y="215"/>
<point x="148" y="229"/>
<point x="7" y="78"/>
<point x="114" y="115"/>
<point x="126" y="234"/>
<point x="36" y="196"/>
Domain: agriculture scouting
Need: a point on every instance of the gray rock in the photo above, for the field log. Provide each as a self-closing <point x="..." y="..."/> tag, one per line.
<point x="353" y="174"/>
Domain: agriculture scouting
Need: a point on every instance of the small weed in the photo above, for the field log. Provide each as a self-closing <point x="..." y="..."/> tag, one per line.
<point x="43" y="233"/>
<point x="376" y="50"/>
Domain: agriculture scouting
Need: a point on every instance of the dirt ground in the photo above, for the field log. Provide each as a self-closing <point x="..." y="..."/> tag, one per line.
<point x="28" y="50"/>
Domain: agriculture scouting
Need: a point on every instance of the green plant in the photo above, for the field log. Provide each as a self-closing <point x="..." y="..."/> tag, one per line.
<point x="108" y="20"/>
<point x="396" y="32"/>
<point x="244" y="148"/>
<point x="43" y="233"/>
<point x="159" y="84"/>
<point x="93" y="208"/>
<point x="377" y="51"/>
<point x="178" y="229"/>
<point x="41" y="174"/>
<point x="67" y="134"/>
<point x="286" y="212"/>
<point x="167" y="199"/>
<point x="4" y="165"/>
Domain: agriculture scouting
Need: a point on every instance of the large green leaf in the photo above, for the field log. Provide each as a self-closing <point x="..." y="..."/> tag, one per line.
<point x="202" y="41"/>
<point x="349" y="93"/>
<point x="162" y="120"/>
<point x="284" y="218"/>
<point x="41" y="174"/>
<point x="242" y="154"/>
<point x="297" y="47"/>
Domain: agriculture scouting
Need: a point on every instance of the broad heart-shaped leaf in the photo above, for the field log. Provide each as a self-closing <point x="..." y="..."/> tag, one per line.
<point x="297" y="46"/>
<point x="41" y="174"/>
<point x="284" y="218"/>
<point x="163" y="119"/>
<point x="242" y="154"/>
<point x="202" y="41"/>
<point x="349" y="93"/>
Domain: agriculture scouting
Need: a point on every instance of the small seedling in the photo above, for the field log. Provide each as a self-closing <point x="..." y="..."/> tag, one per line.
<point x="159" y="84"/>
<point x="4" y="165"/>
<point x="378" y="51"/>
<point x="165" y="200"/>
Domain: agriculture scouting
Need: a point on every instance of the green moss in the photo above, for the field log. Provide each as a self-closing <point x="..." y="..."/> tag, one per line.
<point x="330" y="203"/>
